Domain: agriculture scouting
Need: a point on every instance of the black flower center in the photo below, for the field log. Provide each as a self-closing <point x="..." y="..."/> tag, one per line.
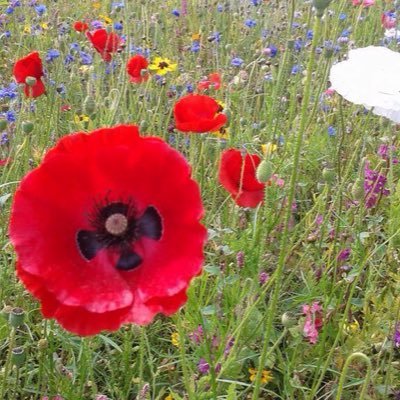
<point x="116" y="226"/>
<point x="163" y="65"/>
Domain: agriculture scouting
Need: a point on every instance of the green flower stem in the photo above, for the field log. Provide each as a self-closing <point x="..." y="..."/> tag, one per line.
<point x="285" y="235"/>
<point x="352" y="357"/>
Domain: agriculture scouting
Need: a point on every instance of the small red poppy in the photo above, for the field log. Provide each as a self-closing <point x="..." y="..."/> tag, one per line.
<point x="212" y="81"/>
<point x="118" y="245"/>
<point x="237" y="174"/>
<point x="198" y="113"/>
<point x="30" y="66"/>
<point x="135" y="66"/>
<point x="80" y="26"/>
<point x="105" y="42"/>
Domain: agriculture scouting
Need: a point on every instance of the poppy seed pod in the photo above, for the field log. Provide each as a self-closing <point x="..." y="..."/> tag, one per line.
<point x="288" y="319"/>
<point x="6" y="311"/>
<point x="17" y="317"/>
<point x="30" y="80"/>
<point x="18" y="356"/>
<point x="264" y="171"/>
<point x="27" y="126"/>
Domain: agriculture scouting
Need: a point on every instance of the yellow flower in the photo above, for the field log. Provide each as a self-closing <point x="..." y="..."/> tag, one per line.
<point x="266" y="375"/>
<point x="351" y="327"/>
<point x="169" y="397"/>
<point x="222" y="133"/>
<point x="44" y="25"/>
<point x="96" y="5"/>
<point x="107" y="20"/>
<point x="175" y="339"/>
<point x="27" y="29"/>
<point x="162" y="66"/>
<point x="196" y="36"/>
<point x="82" y="118"/>
<point x="268" y="148"/>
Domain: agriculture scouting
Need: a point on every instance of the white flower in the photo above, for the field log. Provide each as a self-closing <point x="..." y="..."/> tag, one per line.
<point x="370" y="77"/>
<point x="392" y="33"/>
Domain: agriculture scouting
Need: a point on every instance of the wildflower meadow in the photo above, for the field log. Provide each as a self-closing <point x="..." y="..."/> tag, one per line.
<point x="199" y="200"/>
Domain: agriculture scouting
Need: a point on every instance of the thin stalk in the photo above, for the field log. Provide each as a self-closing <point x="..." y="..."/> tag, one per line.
<point x="285" y="235"/>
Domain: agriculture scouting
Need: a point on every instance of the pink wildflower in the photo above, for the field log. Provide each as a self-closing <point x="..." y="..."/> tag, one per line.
<point x="313" y="322"/>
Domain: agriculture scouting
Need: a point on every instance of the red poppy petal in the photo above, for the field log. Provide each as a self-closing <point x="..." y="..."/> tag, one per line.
<point x="31" y="65"/>
<point x="237" y="176"/>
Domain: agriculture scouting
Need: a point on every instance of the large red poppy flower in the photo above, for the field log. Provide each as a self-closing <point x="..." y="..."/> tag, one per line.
<point x="198" y="113"/>
<point x="105" y="42"/>
<point x="107" y="230"/>
<point x="134" y="68"/>
<point x="30" y="66"/>
<point x="237" y="174"/>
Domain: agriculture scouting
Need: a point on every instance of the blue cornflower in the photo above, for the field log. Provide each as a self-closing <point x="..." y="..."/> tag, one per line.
<point x="250" y="23"/>
<point x="7" y="34"/>
<point x="345" y="33"/>
<point x="74" y="46"/>
<point x="255" y="2"/>
<point x="97" y="24"/>
<point x="309" y="34"/>
<point x="40" y="9"/>
<point x="52" y="54"/>
<point x="4" y="138"/>
<point x="215" y="37"/>
<point x="86" y="59"/>
<point x="117" y="4"/>
<point x="295" y="69"/>
<point x="220" y="8"/>
<point x="9" y="92"/>
<point x="271" y="51"/>
<point x="189" y="88"/>
<point x="331" y="131"/>
<point x="11" y="116"/>
<point x="342" y="16"/>
<point x="298" y="44"/>
<point x="176" y="12"/>
<point x="236" y="62"/>
<point x="118" y="26"/>
<point x="69" y="58"/>
<point x="9" y="10"/>
<point x="195" y="48"/>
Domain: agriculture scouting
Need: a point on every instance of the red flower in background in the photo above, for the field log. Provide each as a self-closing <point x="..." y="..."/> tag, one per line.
<point x="105" y="42"/>
<point x="213" y="81"/>
<point x="134" y="68"/>
<point x="30" y="67"/>
<point x="80" y="26"/>
<point x="198" y="113"/>
<point x="237" y="174"/>
<point x="122" y="243"/>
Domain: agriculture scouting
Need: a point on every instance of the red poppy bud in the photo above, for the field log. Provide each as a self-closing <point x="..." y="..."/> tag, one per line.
<point x="80" y="26"/>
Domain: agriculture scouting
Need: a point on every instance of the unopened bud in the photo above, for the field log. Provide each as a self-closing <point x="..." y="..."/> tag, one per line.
<point x="27" y="126"/>
<point x="328" y="175"/>
<point x="264" y="171"/>
<point x="320" y="6"/>
<point x="288" y="320"/>
<point x="89" y="105"/>
<point x="3" y="124"/>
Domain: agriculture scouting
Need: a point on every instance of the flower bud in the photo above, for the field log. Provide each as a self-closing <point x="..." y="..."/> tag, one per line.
<point x="264" y="171"/>
<point x="42" y="344"/>
<point x="89" y="105"/>
<point x="328" y="175"/>
<point x="358" y="189"/>
<point x="17" y="317"/>
<point x="288" y="319"/>
<point x="143" y="125"/>
<point x="30" y="80"/>
<point x="3" y="124"/>
<point x="320" y="6"/>
<point x="6" y="311"/>
<point x="27" y="126"/>
<point x="18" y="356"/>
<point x="143" y="72"/>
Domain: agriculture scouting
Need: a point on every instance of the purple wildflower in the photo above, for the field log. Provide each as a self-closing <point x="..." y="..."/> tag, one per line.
<point x="203" y="366"/>
<point x="197" y="335"/>
<point x="374" y="186"/>
<point x="344" y="254"/>
<point x="263" y="277"/>
<point x="396" y="336"/>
